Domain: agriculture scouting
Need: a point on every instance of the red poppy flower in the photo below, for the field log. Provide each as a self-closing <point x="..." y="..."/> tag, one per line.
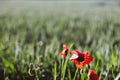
<point x="92" y="75"/>
<point x="65" y="51"/>
<point x="80" y="58"/>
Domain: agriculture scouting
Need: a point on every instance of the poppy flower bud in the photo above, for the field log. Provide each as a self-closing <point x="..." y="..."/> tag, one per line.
<point x="65" y="51"/>
<point x="92" y="75"/>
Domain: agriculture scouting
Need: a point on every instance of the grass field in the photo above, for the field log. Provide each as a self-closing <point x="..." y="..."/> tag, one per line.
<point x="30" y="43"/>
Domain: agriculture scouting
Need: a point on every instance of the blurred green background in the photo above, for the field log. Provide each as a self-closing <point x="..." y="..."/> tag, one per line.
<point x="32" y="34"/>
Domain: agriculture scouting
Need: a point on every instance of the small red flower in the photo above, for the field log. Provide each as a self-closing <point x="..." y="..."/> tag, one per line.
<point x="80" y="58"/>
<point x="92" y="75"/>
<point x="65" y="51"/>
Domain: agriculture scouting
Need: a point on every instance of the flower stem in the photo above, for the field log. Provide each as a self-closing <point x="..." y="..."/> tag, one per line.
<point x="62" y="65"/>
<point x="75" y="74"/>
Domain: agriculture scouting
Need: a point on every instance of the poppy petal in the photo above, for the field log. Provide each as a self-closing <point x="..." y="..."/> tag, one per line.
<point x="92" y="75"/>
<point x="86" y="53"/>
<point x="62" y="54"/>
<point x="65" y="51"/>
<point x="88" y="59"/>
<point x="65" y="47"/>
<point x="74" y="60"/>
<point x="79" y="65"/>
<point x="74" y="56"/>
<point x="75" y="52"/>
